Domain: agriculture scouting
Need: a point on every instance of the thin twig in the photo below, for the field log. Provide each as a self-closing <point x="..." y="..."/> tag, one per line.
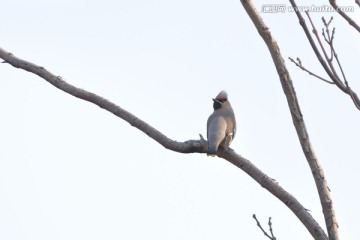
<point x="262" y="229"/>
<point x="351" y="92"/>
<point x="327" y="24"/>
<point x="314" y="30"/>
<point x="328" y="39"/>
<point x="271" y="230"/>
<point x="299" y="65"/>
<point x="329" y="60"/>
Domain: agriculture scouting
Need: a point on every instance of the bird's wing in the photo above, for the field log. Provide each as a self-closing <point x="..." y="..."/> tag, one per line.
<point x="216" y="129"/>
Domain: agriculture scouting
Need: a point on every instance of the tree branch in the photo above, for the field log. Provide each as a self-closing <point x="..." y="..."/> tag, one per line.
<point x="344" y="15"/>
<point x="298" y="121"/>
<point x="272" y="237"/>
<point x="330" y="40"/>
<point x="329" y="60"/>
<point x="299" y="65"/>
<point x="325" y="64"/>
<point x="191" y="146"/>
<point x="316" y="169"/>
<point x="271" y="230"/>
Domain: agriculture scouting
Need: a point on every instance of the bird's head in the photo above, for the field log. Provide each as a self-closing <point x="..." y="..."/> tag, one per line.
<point x="219" y="100"/>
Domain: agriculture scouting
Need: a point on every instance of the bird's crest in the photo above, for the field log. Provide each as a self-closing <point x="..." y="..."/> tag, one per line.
<point x="222" y="95"/>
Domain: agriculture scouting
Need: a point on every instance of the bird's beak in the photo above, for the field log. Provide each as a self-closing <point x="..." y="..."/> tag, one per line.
<point x="215" y="100"/>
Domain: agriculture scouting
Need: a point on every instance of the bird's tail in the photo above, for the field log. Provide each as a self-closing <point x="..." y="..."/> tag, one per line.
<point x="211" y="151"/>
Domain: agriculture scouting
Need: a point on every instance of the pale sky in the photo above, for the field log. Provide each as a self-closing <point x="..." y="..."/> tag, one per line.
<point x="70" y="170"/>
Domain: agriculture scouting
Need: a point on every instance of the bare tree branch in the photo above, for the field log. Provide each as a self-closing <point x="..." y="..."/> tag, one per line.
<point x="299" y="123"/>
<point x="190" y="146"/>
<point x="330" y="40"/>
<point x="357" y="2"/>
<point x="317" y="37"/>
<point x="262" y="229"/>
<point x="331" y="72"/>
<point x="299" y="65"/>
<point x="315" y="49"/>
<point x="318" y="173"/>
<point x="328" y="59"/>
<point x="271" y="230"/>
<point x="183" y="147"/>
<point x="344" y="15"/>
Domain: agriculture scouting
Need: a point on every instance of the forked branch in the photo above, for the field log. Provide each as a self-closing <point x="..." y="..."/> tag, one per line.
<point x="298" y="63"/>
<point x="325" y="59"/>
<point x="271" y="235"/>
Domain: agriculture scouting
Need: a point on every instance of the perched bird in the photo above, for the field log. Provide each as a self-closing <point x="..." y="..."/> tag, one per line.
<point x="221" y="125"/>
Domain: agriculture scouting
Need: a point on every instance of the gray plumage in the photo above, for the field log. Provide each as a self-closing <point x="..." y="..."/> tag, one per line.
<point x="221" y="125"/>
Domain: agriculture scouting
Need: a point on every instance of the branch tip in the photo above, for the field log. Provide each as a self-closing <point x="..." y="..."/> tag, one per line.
<point x="272" y="237"/>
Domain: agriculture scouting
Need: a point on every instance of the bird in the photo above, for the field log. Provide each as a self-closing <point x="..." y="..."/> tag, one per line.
<point x="221" y="124"/>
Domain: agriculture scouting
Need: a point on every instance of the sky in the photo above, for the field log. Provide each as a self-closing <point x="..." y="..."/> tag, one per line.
<point x="70" y="170"/>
